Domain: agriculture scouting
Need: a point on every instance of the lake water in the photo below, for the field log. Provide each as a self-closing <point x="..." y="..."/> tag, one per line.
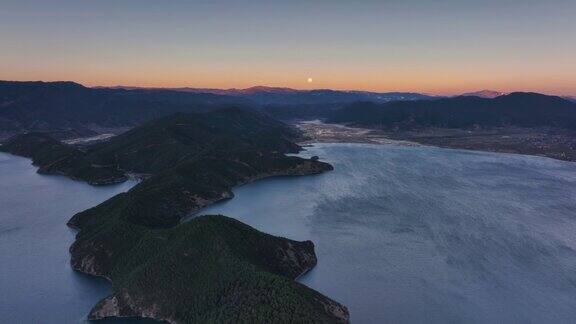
<point x="402" y="234"/>
<point x="37" y="284"/>
<point x="427" y="235"/>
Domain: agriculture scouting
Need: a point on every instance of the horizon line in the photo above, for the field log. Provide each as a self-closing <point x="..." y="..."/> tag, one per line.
<point x="181" y="87"/>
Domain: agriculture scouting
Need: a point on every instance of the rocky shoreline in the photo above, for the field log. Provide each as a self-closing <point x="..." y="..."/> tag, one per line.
<point x="284" y="258"/>
<point x="122" y="304"/>
<point x="93" y="256"/>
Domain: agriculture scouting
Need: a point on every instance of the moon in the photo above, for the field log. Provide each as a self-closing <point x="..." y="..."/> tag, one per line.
<point x="309" y="80"/>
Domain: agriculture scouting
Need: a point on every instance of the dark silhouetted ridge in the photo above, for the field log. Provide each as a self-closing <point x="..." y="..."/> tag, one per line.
<point x="515" y="109"/>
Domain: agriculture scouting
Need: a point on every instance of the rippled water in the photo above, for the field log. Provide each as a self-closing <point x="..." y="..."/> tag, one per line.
<point x="426" y="235"/>
<point x="403" y="235"/>
<point x="37" y="284"/>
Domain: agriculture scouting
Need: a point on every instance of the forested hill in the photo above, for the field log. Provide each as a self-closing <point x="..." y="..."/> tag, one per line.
<point x="157" y="145"/>
<point x="516" y="109"/>
<point x="210" y="269"/>
<point x="188" y="160"/>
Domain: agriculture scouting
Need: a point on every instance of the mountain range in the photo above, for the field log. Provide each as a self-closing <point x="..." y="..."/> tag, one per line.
<point x="515" y="109"/>
<point x="73" y="110"/>
<point x="70" y="110"/>
<point x="263" y="95"/>
<point x="69" y="106"/>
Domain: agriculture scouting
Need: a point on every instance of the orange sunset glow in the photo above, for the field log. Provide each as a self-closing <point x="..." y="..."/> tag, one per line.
<point x="445" y="49"/>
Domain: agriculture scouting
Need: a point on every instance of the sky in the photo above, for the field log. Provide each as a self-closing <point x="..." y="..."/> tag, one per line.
<point x="431" y="46"/>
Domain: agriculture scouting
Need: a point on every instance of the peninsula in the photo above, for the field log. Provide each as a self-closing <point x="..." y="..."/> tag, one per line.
<point x="210" y="268"/>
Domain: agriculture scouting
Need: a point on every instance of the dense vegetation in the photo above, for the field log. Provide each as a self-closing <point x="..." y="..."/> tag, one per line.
<point x="166" y="142"/>
<point x="516" y="109"/>
<point x="54" y="157"/>
<point x="210" y="268"/>
<point x="157" y="146"/>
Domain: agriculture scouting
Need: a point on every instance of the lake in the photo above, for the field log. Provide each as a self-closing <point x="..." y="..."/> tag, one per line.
<point x="37" y="284"/>
<point x="429" y="235"/>
<point x="402" y="234"/>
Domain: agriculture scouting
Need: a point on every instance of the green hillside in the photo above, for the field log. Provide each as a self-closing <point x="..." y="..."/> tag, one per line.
<point x="210" y="269"/>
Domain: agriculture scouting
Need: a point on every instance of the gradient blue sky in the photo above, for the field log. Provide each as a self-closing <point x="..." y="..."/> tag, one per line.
<point x="429" y="46"/>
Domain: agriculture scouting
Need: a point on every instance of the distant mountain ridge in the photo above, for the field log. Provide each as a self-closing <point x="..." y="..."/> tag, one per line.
<point x="286" y="96"/>
<point x="49" y="106"/>
<point x="73" y="110"/>
<point x="516" y="109"/>
<point x="76" y="110"/>
<point x="294" y="104"/>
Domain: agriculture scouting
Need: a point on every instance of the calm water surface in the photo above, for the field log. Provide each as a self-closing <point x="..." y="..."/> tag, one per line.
<point x="403" y="235"/>
<point x="37" y="284"/>
<point x="426" y="235"/>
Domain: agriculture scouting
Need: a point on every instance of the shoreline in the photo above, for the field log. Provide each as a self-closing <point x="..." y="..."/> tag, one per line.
<point x="555" y="144"/>
<point x="317" y="131"/>
<point x="132" y="238"/>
